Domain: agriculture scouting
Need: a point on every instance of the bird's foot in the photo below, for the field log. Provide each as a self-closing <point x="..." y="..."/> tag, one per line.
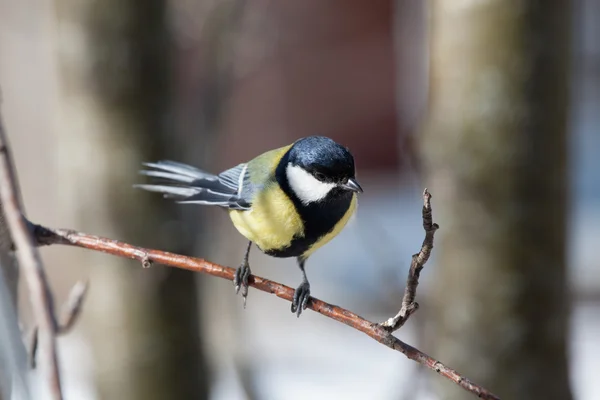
<point x="301" y="297"/>
<point x="240" y="280"/>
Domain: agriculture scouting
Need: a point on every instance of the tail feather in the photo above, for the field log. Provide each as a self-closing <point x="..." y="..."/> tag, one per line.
<point x="168" y="176"/>
<point x="179" y="169"/>
<point x="189" y="185"/>
<point x="169" y="191"/>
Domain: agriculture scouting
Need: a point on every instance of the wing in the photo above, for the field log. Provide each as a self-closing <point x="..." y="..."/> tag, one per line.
<point x="248" y="178"/>
<point x="235" y="178"/>
<point x="190" y="185"/>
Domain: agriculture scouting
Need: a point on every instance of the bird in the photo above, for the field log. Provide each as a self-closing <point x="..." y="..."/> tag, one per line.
<point x="288" y="202"/>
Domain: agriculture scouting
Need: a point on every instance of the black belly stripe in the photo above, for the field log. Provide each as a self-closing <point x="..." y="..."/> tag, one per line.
<point x="319" y="218"/>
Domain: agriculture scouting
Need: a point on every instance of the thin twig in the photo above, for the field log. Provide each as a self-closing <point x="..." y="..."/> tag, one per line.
<point x="32" y="268"/>
<point x="47" y="236"/>
<point x="72" y="307"/>
<point x="70" y="312"/>
<point x="32" y="347"/>
<point x="409" y="305"/>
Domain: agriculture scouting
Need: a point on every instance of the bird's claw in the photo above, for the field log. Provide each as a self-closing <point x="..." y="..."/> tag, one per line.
<point x="301" y="297"/>
<point x="240" y="280"/>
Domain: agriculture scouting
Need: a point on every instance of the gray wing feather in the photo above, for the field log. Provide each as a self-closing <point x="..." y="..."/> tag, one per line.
<point x="238" y="179"/>
<point x="231" y="177"/>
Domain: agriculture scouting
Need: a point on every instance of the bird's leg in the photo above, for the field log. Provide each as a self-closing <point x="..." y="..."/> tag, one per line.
<point x="302" y="293"/>
<point x="240" y="280"/>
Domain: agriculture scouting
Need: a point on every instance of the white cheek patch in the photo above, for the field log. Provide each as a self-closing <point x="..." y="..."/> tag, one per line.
<point x="308" y="188"/>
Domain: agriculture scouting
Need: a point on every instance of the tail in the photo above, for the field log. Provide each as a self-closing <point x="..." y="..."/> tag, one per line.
<point x="189" y="185"/>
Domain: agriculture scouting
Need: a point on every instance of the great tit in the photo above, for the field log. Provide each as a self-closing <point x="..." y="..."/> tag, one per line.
<point x="288" y="202"/>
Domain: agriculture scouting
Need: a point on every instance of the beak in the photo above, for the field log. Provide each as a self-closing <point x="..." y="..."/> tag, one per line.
<point x="352" y="185"/>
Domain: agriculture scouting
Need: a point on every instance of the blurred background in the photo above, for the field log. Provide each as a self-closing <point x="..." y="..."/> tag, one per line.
<point x="492" y="105"/>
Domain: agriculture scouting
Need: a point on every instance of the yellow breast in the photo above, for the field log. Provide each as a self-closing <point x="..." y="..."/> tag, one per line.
<point x="272" y="222"/>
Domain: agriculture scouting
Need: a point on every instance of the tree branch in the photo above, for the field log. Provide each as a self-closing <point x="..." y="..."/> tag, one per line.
<point x="409" y="305"/>
<point x="46" y="236"/>
<point x="31" y="265"/>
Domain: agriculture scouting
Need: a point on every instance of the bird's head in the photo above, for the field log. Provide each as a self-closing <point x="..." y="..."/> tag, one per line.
<point x="319" y="168"/>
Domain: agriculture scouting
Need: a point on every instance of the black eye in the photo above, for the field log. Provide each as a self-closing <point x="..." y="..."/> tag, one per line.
<point x="320" y="176"/>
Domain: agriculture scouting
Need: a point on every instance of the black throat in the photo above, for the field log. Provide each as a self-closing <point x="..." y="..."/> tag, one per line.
<point x="319" y="217"/>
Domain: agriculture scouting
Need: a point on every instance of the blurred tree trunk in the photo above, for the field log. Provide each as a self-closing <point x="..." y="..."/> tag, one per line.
<point x="13" y="356"/>
<point x="115" y="61"/>
<point x="8" y="304"/>
<point x="495" y="155"/>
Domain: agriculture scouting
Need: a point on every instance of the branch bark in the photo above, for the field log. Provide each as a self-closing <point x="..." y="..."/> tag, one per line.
<point x="46" y="236"/>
